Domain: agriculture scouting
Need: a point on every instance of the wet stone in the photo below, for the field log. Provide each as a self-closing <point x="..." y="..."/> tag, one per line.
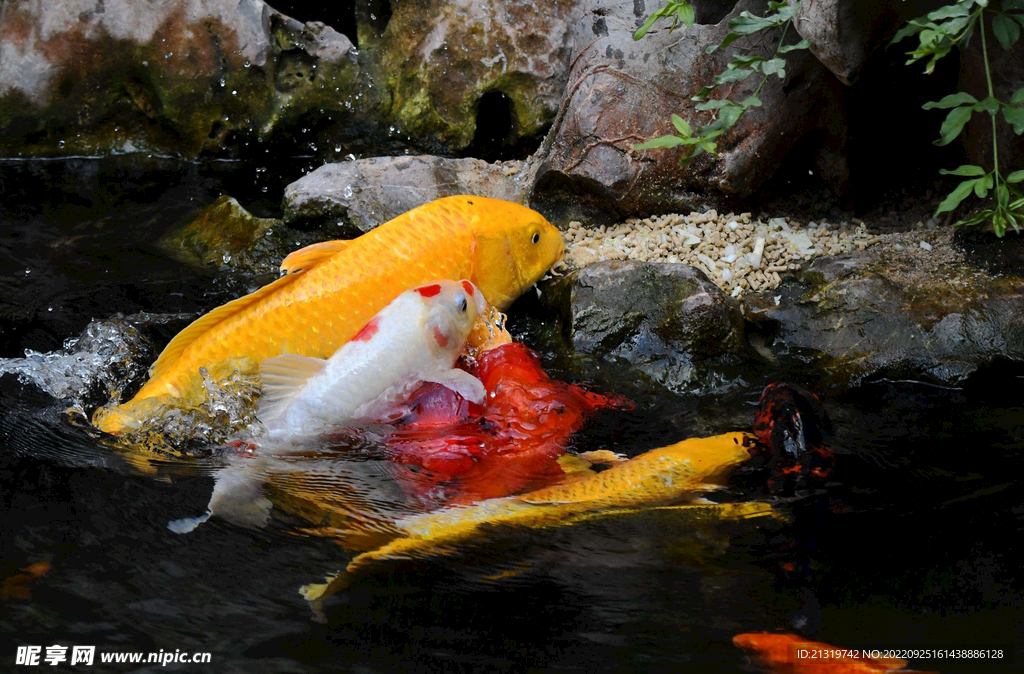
<point x="667" y="320"/>
<point x="897" y="310"/>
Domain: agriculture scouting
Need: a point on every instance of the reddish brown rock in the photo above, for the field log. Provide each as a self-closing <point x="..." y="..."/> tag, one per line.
<point x="622" y="92"/>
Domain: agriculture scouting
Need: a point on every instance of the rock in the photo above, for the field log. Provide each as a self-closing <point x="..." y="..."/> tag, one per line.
<point x="667" y="320"/>
<point x="622" y="92"/>
<point x="175" y="76"/>
<point x="223" y="233"/>
<point x="441" y="60"/>
<point x="369" y="192"/>
<point x="843" y="33"/>
<point x="869" y="315"/>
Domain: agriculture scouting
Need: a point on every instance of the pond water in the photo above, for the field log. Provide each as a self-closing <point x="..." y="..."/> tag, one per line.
<point x="915" y="542"/>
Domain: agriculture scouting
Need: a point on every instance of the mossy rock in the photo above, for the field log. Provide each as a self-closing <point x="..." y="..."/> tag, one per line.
<point x="223" y="233"/>
<point x="439" y="59"/>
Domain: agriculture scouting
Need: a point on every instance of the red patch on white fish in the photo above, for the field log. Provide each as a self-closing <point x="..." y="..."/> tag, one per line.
<point x="440" y="337"/>
<point x="368" y="331"/>
<point x="429" y="291"/>
<point x="469" y="287"/>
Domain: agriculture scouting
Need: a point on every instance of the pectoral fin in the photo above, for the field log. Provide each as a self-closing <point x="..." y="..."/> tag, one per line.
<point x="282" y="377"/>
<point x="460" y="381"/>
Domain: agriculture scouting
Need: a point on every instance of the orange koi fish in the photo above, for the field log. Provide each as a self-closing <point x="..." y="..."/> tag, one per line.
<point x="777" y="654"/>
<point x="333" y="288"/>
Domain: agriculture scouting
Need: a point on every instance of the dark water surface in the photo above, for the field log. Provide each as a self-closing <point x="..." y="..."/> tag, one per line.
<point x="916" y="543"/>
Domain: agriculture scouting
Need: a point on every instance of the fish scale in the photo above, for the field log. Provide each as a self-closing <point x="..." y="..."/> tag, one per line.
<point x="504" y="248"/>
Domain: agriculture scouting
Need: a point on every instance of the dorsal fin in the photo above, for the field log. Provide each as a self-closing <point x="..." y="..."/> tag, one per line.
<point x="306" y="258"/>
<point x="282" y="377"/>
<point x="204" y="323"/>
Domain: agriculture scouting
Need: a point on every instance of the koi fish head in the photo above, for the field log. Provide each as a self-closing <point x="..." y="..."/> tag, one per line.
<point x="514" y="247"/>
<point x="452" y="308"/>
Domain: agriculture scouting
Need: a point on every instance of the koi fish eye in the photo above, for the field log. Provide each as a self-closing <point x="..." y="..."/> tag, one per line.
<point x="462" y="304"/>
<point x="536" y="237"/>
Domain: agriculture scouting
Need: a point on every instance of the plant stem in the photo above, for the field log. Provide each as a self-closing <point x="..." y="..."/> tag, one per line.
<point x="991" y="94"/>
<point x="782" y="41"/>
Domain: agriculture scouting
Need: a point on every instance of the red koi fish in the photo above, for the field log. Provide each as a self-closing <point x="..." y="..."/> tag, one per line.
<point x="510" y="443"/>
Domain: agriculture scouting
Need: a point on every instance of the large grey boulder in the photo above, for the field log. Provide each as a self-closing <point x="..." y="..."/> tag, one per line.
<point x="667" y="320"/>
<point x="176" y="76"/>
<point x="368" y="192"/>
<point x="872" y="314"/>
<point x="622" y="92"/>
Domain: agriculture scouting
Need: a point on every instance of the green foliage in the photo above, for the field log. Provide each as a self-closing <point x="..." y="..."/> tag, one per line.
<point x="680" y="12"/>
<point x="937" y="33"/>
<point x="739" y="69"/>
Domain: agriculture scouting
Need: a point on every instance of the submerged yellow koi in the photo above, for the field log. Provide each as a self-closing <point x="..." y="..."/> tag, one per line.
<point x="333" y="288"/>
<point x="658" y="478"/>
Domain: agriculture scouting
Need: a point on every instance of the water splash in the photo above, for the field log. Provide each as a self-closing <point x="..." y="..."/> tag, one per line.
<point x="94" y="367"/>
<point x="227" y="413"/>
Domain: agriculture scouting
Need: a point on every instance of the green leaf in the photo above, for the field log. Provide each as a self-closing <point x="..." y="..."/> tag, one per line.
<point x="660" y="142"/>
<point x="682" y="126"/>
<point x="774" y="67"/>
<point x="975" y="219"/>
<point x="751" y="102"/>
<point x="685" y="14"/>
<point x="714" y="104"/>
<point x="953" y="124"/>
<point x="1016" y="177"/>
<point x="955" y="197"/>
<point x="1018" y="97"/>
<point x="728" y="40"/>
<point x="729" y="115"/>
<point x="735" y="75"/>
<point x="951" y="101"/>
<point x="1005" y="30"/>
<point x="802" y="44"/>
<point x="965" y="170"/>
<point x="642" y="30"/>
<point x="1013" y="221"/>
<point x="982" y="186"/>
<point x="748" y="24"/>
<point x="1015" y="118"/>
<point x="947" y="12"/>
<point x="1002" y="196"/>
<point x="743" y="61"/>
<point x="989" y="105"/>
<point x="905" y="32"/>
<point x="703" y="93"/>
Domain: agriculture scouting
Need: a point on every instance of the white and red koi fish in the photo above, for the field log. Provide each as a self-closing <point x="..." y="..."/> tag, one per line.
<point x="415" y="339"/>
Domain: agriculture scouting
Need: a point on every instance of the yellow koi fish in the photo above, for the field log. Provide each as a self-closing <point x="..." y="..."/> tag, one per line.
<point x="657" y="478"/>
<point x="333" y="288"/>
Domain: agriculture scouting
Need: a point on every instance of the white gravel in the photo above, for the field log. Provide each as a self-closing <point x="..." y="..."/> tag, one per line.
<point x="738" y="253"/>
